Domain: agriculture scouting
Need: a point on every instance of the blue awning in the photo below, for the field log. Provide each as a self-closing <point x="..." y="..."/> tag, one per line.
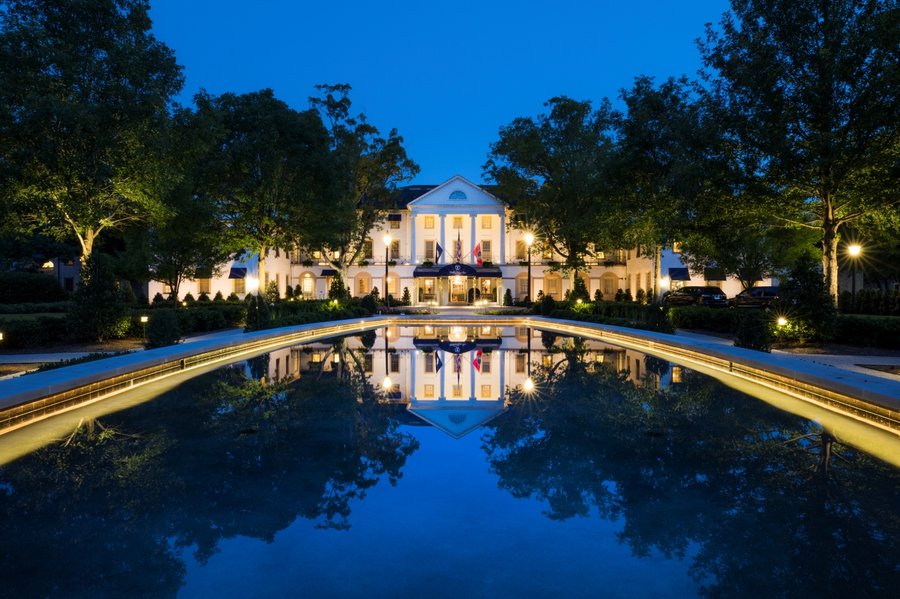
<point x="329" y="272"/>
<point x="714" y="274"/>
<point x="394" y="217"/>
<point x="679" y="274"/>
<point x="237" y="272"/>
<point x="457" y="269"/>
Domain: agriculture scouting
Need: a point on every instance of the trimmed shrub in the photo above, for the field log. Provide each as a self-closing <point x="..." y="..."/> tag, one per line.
<point x="233" y="297"/>
<point x="189" y="298"/>
<point x="271" y="295"/>
<point x="872" y="331"/>
<point x="163" y="329"/>
<point x="754" y="331"/>
<point x="598" y="297"/>
<point x="405" y="299"/>
<point x="507" y="298"/>
<point x="98" y="311"/>
<point x="33" y="332"/>
<point x="25" y="287"/>
<point x="368" y="303"/>
<point x="218" y="297"/>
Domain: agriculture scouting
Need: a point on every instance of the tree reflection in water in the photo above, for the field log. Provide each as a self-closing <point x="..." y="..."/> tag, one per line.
<point x="114" y="506"/>
<point x="764" y="503"/>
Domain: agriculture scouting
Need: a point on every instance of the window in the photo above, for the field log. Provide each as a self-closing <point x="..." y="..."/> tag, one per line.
<point x="367" y="363"/>
<point x="395" y="362"/>
<point x="239" y="286"/>
<point x="308" y="286"/>
<point x="547" y="360"/>
<point x="316" y="357"/>
<point x="429" y="362"/>
<point x="317" y="255"/>
<point x="457" y="391"/>
<point x="395" y="249"/>
<point x="362" y="285"/>
<point x="429" y="250"/>
<point x="486" y="250"/>
<point x="395" y="224"/>
<point x="429" y="222"/>
<point x="457" y="222"/>
<point x="521" y="250"/>
<point x="553" y="285"/>
<point x="486" y="222"/>
<point x="392" y="286"/>
<point x="429" y="390"/>
<point x="676" y="247"/>
<point x="203" y="285"/>
<point x="521" y="363"/>
<point x="547" y="254"/>
<point x="367" y="249"/>
<point x="522" y="290"/>
<point x="485" y="363"/>
<point x="485" y="391"/>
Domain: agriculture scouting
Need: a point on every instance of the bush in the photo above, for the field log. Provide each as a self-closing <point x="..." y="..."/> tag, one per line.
<point x="204" y="297"/>
<point x="158" y="299"/>
<point x="754" y="331"/>
<point x="163" y="329"/>
<point x="189" y="298"/>
<point x="806" y="303"/>
<point x="598" y="297"/>
<point x="33" y="332"/>
<point x="98" y="311"/>
<point x="546" y="306"/>
<point x="704" y="319"/>
<point x="369" y="303"/>
<point x="218" y="297"/>
<point x="233" y="297"/>
<point x="507" y="298"/>
<point x="271" y="295"/>
<point x="641" y="297"/>
<point x="580" y="291"/>
<point x="337" y="290"/>
<point x="872" y="331"/>
<point x="42" y="308"/>
<point x="405" y="298"/>
<point x="25" y="287"/>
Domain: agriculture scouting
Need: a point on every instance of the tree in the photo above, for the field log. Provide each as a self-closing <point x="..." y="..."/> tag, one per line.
<point x="366" y="167"/>
<point x="191" y="240"/>
<point x="813" y="87"/>
<point x="84" y="95"/>
<point x="271" y="172"/>
<point x="557" y="167"/>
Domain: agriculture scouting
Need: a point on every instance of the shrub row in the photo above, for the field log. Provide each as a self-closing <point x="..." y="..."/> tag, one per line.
<point x="874" y="331"/>
<point x="33" y="332"/>
<point x="35" y="308"/>
<point x="29" y="287"/>
<point x="871" y="301"/>
<point x="648" y="318"/>
<point x="705" y="319"/>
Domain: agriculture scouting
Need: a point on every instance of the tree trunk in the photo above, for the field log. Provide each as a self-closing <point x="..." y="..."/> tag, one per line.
<point x="829" y="257"/>
<point x="87" y="245"/>
<point x="657" y="271"/>
<point x="261" y="271"/>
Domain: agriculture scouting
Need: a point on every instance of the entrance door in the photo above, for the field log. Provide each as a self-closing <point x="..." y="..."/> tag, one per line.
<point x="458" y="290"/>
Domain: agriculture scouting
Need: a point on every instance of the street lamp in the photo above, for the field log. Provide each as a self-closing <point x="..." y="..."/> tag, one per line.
<point x="387" y="383"/>
<point x="387" y="259"/>
<point x="528" y="385"/>
<point x="529" y="240"/>
<point x="144" y="319"/>
<point x="853" y="251"/>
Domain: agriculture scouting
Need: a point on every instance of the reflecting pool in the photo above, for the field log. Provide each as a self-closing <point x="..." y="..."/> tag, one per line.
<point x="448" y="462"/>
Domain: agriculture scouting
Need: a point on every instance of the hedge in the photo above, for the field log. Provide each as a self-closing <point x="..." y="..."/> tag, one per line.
<point x="34" y="332"/>
<point x="873" y="331"/>
<point x="36" y="308"/>
<point x="719" y="320"/>
<point x="29" y="287"/>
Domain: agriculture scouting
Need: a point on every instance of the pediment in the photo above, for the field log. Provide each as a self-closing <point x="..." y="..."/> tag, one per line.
<point x="457" y="418"/>
<point x="457" y="192"/>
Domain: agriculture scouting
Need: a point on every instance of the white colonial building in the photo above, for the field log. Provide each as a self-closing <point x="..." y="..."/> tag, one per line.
<point x="451" y="245"/>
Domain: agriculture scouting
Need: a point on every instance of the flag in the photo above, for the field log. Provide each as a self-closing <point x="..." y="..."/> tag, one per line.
<point x="477" y="253"/>
<point x="477" y="361"/>
<point x="438" y="252"/>
<point x="457" y="365"/>
<point x="438" y="363"/>
<point x="458" y="248"/>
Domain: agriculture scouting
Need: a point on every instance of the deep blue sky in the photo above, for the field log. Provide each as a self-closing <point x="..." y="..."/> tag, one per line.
<point x="447" y="75"/>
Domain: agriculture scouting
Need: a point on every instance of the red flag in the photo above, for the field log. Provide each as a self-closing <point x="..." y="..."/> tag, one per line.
<point x="477" y="253"/>
<point x="477" y="361"/>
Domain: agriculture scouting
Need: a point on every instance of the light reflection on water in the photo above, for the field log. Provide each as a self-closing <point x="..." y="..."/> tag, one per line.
<point x="290" y="474"/>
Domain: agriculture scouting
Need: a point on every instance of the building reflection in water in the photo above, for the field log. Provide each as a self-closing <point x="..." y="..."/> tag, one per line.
<point x="454" y="377"/>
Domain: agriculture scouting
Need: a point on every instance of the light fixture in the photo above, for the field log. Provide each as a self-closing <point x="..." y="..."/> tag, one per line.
<point x="782" y="321"/>
<point x="144" y="319"/>
<point x="336" y="358"/>
<point x="578" y="301"/>
<point x="387" y="239"/>
<point x="529" y="239"/>
<point x="387" y="383"/>
<point x="528" y="385"/>
<point x="457" y="334"/>
<point x="854" y="250"/>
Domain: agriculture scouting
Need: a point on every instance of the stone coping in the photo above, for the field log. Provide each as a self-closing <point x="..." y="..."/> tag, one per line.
<point x="834" y="388"/>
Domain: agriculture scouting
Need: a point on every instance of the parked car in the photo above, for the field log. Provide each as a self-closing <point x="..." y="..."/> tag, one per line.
<point x="711" y="297"/>
<point x="756" y="297"/>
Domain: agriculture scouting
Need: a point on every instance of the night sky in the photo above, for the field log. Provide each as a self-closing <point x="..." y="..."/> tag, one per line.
<point x="447" y="75"/>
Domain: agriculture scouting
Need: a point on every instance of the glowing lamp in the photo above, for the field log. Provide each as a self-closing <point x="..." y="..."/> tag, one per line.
<point x="528" y="385"/>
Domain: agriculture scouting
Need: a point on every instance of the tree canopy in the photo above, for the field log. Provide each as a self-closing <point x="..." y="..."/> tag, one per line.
<point x="84" y="96"/>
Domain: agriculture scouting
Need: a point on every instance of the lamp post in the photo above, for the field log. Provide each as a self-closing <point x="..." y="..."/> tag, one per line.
<point x="387" y="383"/>
<point x="529" y="239"/>
<point x="528" y="385"/>
<point x="144" y="319"/>
<point x="387" y="259"/>
<point x="853" y="251"/>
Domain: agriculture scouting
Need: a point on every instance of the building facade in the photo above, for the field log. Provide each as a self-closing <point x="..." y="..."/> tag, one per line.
<point x="452" y="245"/>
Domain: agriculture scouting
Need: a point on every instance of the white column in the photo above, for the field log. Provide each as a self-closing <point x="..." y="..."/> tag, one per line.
<point x="444" y="369"/>
<point x="412" y="239"/>
<point x="502" y="374"/>
<point x="443" y="259"/>
<point x="412" y="374"/>
<point x="472" y="218"/>
<point x="472" y="371"/>
<point x="502" y="239"/>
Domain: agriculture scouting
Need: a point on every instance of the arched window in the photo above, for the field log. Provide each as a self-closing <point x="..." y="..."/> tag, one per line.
<point x="457" y="195"/>
<point x="608" y="285"/>
<point x="553" y="285"/>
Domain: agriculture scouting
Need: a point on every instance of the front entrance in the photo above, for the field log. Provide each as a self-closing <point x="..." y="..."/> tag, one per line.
<point x="459" y="290"/>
